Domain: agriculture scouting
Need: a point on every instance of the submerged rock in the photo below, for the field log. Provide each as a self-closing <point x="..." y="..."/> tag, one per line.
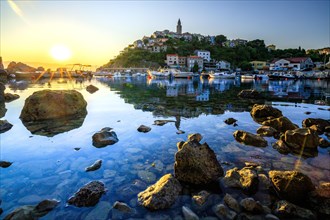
<point x="250" y="205"/>
<point x="162" y="122"/>
<point x="91" y="89"/>
<point x="31" y="212"/>
<point x="88" y="195"/>
<point x="223" y="212"/>
<point x="196" y="163"/>
<point x="231" y="202"/>
<point x="261" y="113"/>
<point x="249" y="139"/>
<point x="162" y="194"/>
<point x="5" y="126"/>
<point x="123" y="207"/>
<point x="50" y="112"/>
<point x="5" y="164"/>
<point x="201" y="197"/>
<point x="285" y="209"/>
<point x="230" y="121"/>
<point x="189" y="214"/>
<point x="10" y="97"/>
<point x="301" y="138"/>
<point x="291" y="185"/>
<point x="281" y="124"/>
<point x="95" y="166"/>
<point x="104" y="137"/>
<point x="250" y="94"/>
<point x="245" y="179"/>
<point x="144" y="129"/>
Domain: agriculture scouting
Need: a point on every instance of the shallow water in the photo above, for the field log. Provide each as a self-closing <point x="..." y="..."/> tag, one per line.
<point x="49" y="167"/>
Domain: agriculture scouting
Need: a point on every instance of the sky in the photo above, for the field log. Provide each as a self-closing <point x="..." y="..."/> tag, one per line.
<point x="93" y="32"/>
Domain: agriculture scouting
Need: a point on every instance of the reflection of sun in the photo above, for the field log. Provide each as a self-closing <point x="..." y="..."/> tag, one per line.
<point x="60" y="52"/>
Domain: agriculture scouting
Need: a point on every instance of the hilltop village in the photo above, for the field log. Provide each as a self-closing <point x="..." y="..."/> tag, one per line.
<point x="195" y="52"/>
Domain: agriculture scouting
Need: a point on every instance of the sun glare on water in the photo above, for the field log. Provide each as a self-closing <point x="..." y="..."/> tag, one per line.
<point x="60" y="52"/>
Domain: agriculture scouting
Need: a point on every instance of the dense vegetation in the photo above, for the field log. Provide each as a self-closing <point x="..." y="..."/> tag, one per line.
<point x="238" y="56"/>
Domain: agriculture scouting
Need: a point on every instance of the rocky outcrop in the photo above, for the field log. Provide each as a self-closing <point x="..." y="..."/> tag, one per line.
<point x="291" y="185"/>
<point x="88" y="195"/>
<point x="250" y="205"/>
<point x="261" y="113"/>
<point x="10" y="97"/>
<point x="104" y="137"/>
<point x="5" y="126"/>
<point x="95" y="166"/>
<point x="144" y="129"/>
<point x="281" y="124"/>
<point x="13" y="67"/>
<point x="196" y="163"/>
<point x="189" y="214"/>
<point x="245" y="179"/>
<point x="231" y="202"/>
<point x="319" y="123"/>
<point x="287" y="210"/>
<point x="201" y="197"/>
<point x="91" y="89"/>
<point x="250" y="94"/>
<point x="222" y="212"/>
<point x="267" y="131"/>
<point x="2" y="92"/>
<point x="320" y="198"/>
<point x="301" y="138"/>
<point x="281" y="147"/>
<point x="249" y="139"/>
<point x="162" y="194"/>
<point x="32" y="212"/>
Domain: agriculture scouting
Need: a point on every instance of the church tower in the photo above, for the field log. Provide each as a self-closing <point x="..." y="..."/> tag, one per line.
<point x="179" y="27"/>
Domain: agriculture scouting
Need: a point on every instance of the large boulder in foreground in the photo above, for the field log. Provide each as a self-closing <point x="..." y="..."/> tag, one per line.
<point x="249" y="139"/>
<point x="162" y="194"/>
<point x="281" y="124"/>
<point x="50" y="112"/>
<point x="261" y="113"/>
<point x="302" y="138"/>
<point x="88" y="195"/>
<point x="291" y="185"/>
<point x="196" y="163"/>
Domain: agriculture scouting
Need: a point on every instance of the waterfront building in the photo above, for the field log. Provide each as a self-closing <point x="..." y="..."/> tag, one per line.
<point x="206" y="55"/>
<point x="172" y="60"/>
<point x="223" y="65"/>
<point x="191" y="62"/>
<point x="258" y="65"/>
<point x="295" y="63"/>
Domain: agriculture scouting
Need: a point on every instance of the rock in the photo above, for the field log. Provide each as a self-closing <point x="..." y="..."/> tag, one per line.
<point x="230" y="121"/>
<point x="250" y="94"/>
<point x="123" y="207"/>
<point x="162" y="194"/>
<point x="281" y="147"/>
<point x="324" y="143"/>
<point x="180" y="132"/>
<point x="245" y="179"/>
<point x="231" y="202"/>
<point x="189" y="214"/>
<point x="10" y="97"/>
<point x="201" y="197"/>
<point x="291" y="185"/>
<point x="2" y="92"/>
<point x="281" y="124"/>
<point x="5" y="126"/>
<point x="95" y="166"/>
<point x="53" y="104"/>
<point x="224" y="213"/>
<point x="250" y="205"/>
<point x="249" y="139"/>
<point x="5" y="164"/>
<point x="195" y="137"/>
<point x="271" y="217"/>
<point x="14" y="67"/>
<point x="267" y="131"/>
<point x="31" y="212"/>
<point x="320" y="198"/>
<point x="285" y="209"/>
<point x="262" y="113"/>
<point x="88" y="195"/>
<point x="147" y="176"/>
<point x="77" y="148"/>
<point x="321" y="124"/>
<point x="196" y="163"/>
<point x="144" y="129"/>
<point x="50" y="112"/>
<point x="100" y="212"/>
<point x="301" y="138"/>
<point x="162" y="122"/>
<point x="104" y="137"/>
<point x="91" y="89"/>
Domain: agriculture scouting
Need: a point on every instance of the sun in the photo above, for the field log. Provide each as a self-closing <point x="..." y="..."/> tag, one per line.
<point x="60" y="52"/>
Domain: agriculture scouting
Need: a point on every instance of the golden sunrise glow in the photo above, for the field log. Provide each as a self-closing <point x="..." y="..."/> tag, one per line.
<point x="60" y="52"/>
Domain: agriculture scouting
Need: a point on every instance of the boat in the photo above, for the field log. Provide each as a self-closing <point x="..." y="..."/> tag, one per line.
<point x="180" y="74"/>
<point x="282" y="75"/>
<point x="102" y="73"/>
<point x="163" y="73"/>
<point x="248" y="76"/>
<point x="117" y="74"/>
<point x="222" y="75"/>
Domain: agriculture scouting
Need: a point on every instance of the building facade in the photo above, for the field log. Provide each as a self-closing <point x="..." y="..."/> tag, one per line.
<point x="179" y="27"/>
<point x="296" y="63"/>
<point x="172" y="59"/>
<point x="206" y="55"/>
<point x="223" y="65"/>
<point x="191" y="60"/>
<point x="258" y="65"/>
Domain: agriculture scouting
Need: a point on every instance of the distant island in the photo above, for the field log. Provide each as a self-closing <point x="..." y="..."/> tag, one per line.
<point x="152" y="52"/>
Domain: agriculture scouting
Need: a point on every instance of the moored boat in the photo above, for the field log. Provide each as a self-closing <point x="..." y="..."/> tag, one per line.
<point x="222" y="75"/>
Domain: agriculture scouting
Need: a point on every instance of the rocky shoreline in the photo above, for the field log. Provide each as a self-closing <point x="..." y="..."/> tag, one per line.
<point x="243" y="192"/>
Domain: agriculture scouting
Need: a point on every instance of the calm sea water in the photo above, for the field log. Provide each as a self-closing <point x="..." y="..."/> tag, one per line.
<point x="49" y="167"/>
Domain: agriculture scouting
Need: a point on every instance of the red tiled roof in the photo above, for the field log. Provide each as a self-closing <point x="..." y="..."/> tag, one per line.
<point x="195" y="57"/>
<point x="297" y="59"/>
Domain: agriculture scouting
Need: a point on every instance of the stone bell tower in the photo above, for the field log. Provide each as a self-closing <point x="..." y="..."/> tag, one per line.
<point x="179" y="27"/>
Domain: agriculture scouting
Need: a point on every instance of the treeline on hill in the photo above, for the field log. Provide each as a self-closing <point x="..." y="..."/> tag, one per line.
<point x="238" y="56"/>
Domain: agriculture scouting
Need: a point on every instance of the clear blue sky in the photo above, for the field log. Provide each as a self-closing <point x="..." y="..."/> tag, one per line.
<point x="97" y="30"/>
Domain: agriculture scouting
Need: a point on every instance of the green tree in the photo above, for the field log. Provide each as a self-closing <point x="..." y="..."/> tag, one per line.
<point x="195" y="67"/>
<point x="219" y="39"/>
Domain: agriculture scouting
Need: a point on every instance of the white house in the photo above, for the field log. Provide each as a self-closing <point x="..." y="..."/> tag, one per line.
<point x="172" y="59"/>
<point x="191" y="60"/>
<point x="296" y="63"/>
<point x="222" y="64"/>
<point x="206" y="55"/>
